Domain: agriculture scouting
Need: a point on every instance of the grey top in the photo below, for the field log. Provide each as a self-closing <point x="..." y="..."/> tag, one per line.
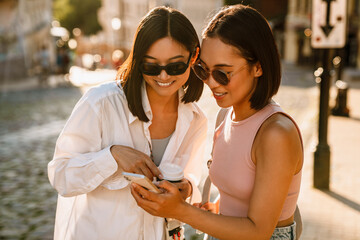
<point x="158" y="148"/>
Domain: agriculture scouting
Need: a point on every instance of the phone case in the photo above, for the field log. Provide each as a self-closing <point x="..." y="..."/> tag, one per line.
<point x="141" y="180"/>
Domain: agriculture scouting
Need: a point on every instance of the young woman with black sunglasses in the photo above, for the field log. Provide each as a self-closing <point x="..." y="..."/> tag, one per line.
<point x="143" y="120"/>
<point x="257" y="152"/>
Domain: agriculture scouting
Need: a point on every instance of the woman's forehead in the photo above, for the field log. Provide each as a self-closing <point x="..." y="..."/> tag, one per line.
<point x="166" y="48"/>
<point x="214" y="50"/>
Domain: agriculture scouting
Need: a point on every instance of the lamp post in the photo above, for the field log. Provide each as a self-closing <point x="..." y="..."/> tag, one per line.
<point x="327" y="35"/>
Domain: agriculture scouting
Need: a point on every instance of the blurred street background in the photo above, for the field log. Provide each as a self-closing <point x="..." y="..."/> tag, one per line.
<point x="51" y="52"/>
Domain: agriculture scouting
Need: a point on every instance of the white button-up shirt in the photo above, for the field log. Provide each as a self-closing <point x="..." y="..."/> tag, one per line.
<point x="95" y="203"/>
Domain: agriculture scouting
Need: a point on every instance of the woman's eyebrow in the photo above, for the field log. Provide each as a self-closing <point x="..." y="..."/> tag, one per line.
<point x="223" y="65"/>
<point x="178" y="56"/>
<point x="217" y="65"/>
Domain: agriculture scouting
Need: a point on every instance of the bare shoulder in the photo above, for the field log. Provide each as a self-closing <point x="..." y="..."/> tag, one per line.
<point x="279" y="125"/>
<point x="278" y="136"/>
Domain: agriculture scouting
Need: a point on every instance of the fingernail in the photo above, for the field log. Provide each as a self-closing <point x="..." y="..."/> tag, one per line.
<point x="161" y="176"/>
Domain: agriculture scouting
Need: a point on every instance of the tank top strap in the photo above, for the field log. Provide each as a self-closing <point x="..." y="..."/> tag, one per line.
<point x="271" y="109"/>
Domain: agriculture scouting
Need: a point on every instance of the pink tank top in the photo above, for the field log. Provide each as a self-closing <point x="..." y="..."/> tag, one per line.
<point x="233" y="171"/>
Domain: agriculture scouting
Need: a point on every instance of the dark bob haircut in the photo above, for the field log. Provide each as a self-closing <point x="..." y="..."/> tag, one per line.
<point x="246" y="29"/>
<point x="159" y="23"/>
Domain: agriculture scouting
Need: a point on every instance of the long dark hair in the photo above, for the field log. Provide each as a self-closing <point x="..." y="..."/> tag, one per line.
<point x="159" y="23"/>
<point x="246" y="29"/>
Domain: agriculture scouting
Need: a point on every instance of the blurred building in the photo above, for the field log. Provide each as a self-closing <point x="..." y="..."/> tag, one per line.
<point x="275" y="11"/>
<point x="24" y="31"/>
<point x="297" y="48"/>
<point x="298" y="19"/>
<point x="290" y="21"/>
<point x="120" y="18"/>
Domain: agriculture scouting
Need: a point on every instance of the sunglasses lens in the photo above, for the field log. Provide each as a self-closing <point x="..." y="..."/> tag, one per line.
<point x="200" y="72"/>
<point x="172" y="69"/>
<point x="220" y="77"/>
<point x="203" y="74"/>
<point x="150" y="69"/>
<point x="176" y="68"/>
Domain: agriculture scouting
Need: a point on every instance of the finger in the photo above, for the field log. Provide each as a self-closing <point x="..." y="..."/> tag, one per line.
<point x="143" y="192"/>
<point x="135" y="194"/>
<point x="144" y="203"/>
<point x="198" y="205"/>
<point x="135" y="168"/>
<point x="183" y="184"/>
<point x="207" y="205"/>
<point x="206" y="209"/>
<point x="146" y="171"/>
<point x="154" y="169"/>
<point x="178" y="185"/>
<point x="168" y="186"/>
<point x="162" y="190"/>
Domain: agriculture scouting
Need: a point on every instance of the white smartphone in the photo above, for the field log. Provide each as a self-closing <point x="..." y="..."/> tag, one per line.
<point x="141" y="180"/>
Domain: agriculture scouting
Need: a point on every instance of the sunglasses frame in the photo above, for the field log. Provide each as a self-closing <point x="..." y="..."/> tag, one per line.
<point x="160" y="68"/>
<point x="208" y="73"/>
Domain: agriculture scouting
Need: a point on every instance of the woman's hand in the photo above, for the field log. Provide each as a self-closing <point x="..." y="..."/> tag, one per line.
<point x="167" y="204"/>
<point x="134" y="161"/>
<point x="184" y="187"/>
<point x="208" y="206"/>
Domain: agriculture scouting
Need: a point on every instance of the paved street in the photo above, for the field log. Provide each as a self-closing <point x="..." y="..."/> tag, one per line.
<point x="30" y="121"/>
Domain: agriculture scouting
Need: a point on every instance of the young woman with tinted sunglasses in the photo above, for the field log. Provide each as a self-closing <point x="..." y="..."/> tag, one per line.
<point x="145" y="119"/>
<point x="257" y="153"/>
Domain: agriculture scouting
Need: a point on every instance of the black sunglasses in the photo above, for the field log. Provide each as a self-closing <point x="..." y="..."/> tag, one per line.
<point x="153" y="69"/>
<point x="219" y="75"/>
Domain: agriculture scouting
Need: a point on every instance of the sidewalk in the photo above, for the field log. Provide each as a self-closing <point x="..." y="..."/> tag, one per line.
<point x="31" y="83"/>
<point x="334" y="214"/>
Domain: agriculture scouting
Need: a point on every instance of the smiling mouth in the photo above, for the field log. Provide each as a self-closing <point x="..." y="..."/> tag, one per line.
<point x="218" y="94"/>
<point x="164" y="84"/>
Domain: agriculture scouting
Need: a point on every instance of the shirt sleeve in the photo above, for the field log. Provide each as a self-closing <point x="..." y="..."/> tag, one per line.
<point x="80" y="164"/>
<point x="194" y="166"/>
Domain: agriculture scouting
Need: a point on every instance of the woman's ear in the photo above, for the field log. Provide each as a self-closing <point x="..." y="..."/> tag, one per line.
<point x="195" y="56"/>
<point x="258" y="70"/>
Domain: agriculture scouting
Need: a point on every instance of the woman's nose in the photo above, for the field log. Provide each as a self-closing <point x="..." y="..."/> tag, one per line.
<point x="163" y="75"/>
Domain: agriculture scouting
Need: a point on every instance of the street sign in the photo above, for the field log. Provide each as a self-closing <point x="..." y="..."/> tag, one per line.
<point x="328" y="23"/>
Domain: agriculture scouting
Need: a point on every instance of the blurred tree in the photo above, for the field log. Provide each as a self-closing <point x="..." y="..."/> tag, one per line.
<point x="78" y="14"/>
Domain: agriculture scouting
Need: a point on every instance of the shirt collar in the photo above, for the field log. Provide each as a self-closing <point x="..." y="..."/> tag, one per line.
<point x="190" y="107"/>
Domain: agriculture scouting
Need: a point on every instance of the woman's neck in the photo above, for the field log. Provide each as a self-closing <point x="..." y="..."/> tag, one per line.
<point x="163" y="104"/>
<point x="164" y="114"/>
<point x="243" y="112"/>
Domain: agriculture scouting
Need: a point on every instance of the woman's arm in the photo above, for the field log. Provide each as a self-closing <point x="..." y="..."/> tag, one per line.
<point x="277" y="152"/>
<point x="171" y="204"/>
<point x="80" y="163"/>
<point x="277" y="156"/>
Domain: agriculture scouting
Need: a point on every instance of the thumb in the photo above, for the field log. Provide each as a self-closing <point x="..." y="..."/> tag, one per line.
<point x="198" y="205"/>
<point x="168" y="186"/>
